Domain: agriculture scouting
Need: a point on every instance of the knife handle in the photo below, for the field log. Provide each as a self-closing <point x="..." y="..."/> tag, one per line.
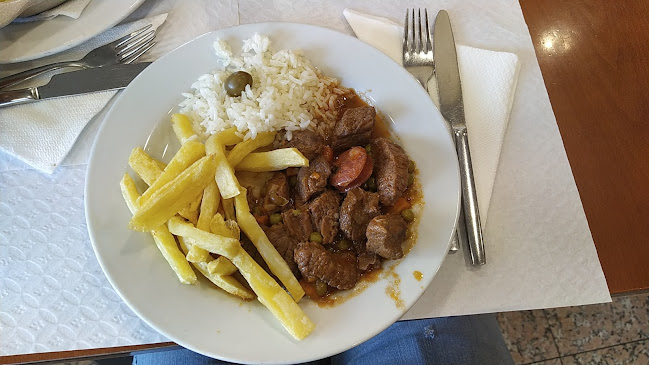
<point x="469" y="199"/>
<point x="14" y="97"/>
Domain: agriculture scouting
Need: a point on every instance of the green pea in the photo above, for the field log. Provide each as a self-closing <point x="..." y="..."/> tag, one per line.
<point x="407" y="215"/>
<point x="315" y="237"/>
<point x="275" y="218"/>
<point x="257" y="211"/>
<point x="296" y="212"/>
<point x="344" y="244"/>
<point x="411" y="179"/>
<point x="371" y="184"/>
<point x="368" y="148"/>
<point x="411" y="166"/>
<point x="321" y="288"/>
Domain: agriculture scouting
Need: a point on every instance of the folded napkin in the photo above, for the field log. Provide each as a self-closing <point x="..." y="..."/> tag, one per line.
<point x="33" y="10"/>
<point x="488" y="84"/>
<point x="42" y="133"/>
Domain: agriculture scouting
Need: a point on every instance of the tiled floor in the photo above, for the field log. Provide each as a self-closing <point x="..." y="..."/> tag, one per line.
<point x="612" y="333"/>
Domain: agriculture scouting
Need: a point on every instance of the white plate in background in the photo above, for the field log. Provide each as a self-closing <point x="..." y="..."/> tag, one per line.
<point x="207" y="320"/>
<point x="28" y="41"/>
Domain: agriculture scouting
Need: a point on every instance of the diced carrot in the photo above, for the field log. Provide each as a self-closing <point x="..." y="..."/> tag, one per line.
<point x="328" y="154"/>
<point x="309" y="289"/>
<point x="262" y="219"/>
<point x="399" y="205"/>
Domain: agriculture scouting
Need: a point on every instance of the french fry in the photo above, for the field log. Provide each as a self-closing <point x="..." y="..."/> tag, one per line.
<point x="221" y="266"/>
<point x="224" y="176"/>
<point x="229" y="137"/>
<point x="174" y="196"/>
<point x="275" y="160"/>
<point x="227" y="283"/>
<point x="189" y="153"/>
<point x="228" y="208"/>
<point x="222" y="227"/>
<point x="182" y="126"/>
<point x="224" y="246"/>
<point x="163" y="238"/>
<point x="144" y="165"/>
<point x="275" y="262"/>
<point x="190" y="212"/>
<point x="160" y="164"/>
<point x="209" y="205"/>
<point x="241" y="150"/>
<point x="271" y="295"/>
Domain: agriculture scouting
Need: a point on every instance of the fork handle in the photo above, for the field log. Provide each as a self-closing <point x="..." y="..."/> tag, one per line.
<point x="31" y="73"/>
<point x="469" y="199"/>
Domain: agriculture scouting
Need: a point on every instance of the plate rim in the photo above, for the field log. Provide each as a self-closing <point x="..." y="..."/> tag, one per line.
<point x="90" y="169"/>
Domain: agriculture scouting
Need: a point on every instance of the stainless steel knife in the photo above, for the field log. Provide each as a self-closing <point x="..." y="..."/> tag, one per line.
<point x="452" y="107"/>
<point x="76" y="82"/>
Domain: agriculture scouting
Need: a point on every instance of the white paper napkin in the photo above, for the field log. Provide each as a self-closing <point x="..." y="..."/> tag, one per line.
<point x="488" y="84"/>
<point x="42" y="133"/>
<point x="71" y="9"/>
<point x="12" y="11"/>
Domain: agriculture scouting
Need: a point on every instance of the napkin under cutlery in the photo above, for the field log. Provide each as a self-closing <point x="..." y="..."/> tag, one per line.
<point x="42" y="133"/>
<point x="489" y="81"/>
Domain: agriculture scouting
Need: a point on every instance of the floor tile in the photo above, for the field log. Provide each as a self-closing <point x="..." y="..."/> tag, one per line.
<point x="547" y="362"/>
<point x="634" y="353"/>
<point x="586" y="328"/>
<point x="528" y="336"/>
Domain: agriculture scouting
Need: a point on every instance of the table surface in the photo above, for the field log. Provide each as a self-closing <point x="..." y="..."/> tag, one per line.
<point x="589" y="53"/>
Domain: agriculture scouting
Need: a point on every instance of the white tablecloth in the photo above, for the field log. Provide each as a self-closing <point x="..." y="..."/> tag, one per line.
<point x="54" y="296"/>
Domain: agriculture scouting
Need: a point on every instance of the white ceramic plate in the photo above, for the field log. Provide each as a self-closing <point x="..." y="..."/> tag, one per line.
<point x="205" y="319"/>
<point x="29" y="41"/>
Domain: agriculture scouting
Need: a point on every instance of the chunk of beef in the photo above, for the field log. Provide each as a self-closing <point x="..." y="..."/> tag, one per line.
<point x="390" y="169"/>
<point x="277" y="193"/>
<point x="325" y="214"/>
<point x="298" y="223"/>
<point x="284" y="243"/>
<point x="354" y="128"/>
<point x="358" y="208"/>
<point x="368" y="261"/>
<point x="336" y="269"/>
<point x="312" y="179"/>
<point x="385" y="234"/>
<point x="308" y="142"/>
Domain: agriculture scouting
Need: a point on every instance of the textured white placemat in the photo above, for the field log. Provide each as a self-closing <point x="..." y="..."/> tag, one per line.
<point x="540" y="254"/>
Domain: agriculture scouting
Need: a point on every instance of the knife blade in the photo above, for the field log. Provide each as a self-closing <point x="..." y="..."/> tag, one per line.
<point x="451" y="105"/>
<point x="75" y="83"/>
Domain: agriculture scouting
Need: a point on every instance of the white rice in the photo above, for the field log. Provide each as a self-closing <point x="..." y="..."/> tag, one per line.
<point x="288" y="93"/>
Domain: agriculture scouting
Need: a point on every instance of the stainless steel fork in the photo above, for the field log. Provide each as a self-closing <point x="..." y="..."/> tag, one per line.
<point x="418" y="47"/>
<point x="124" y="50"/>
<point x="418" y="60"/>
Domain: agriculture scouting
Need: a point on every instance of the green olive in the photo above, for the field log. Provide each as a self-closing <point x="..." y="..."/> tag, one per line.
<point x="411" y="179"/>
<point x="296" y="212"/>
<point x="411" y="166"/>
<point x="321" y="288"/>
<point x="407" y="215"/>
<point x="343" y="244"/>
<point x="315" y="237"/>
<point x="257" y="211"/>
<point x="275" y="218"/>
<point x="236" y="83"/>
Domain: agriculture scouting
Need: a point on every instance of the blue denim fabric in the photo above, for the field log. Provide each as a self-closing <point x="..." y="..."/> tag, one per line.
<point x="466" y="340"/>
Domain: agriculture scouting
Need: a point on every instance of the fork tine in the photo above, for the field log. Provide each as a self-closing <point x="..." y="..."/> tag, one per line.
<point x="420" y="38"/>
<point x="135" y="50"/>
<point x="428" y="47"/>
<point x="136" y="42"/>
<point x="128" y="37"/>
<point x="406" y="45"/>
<point x="413" y="45"/>
<point x="134" y="57"/>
